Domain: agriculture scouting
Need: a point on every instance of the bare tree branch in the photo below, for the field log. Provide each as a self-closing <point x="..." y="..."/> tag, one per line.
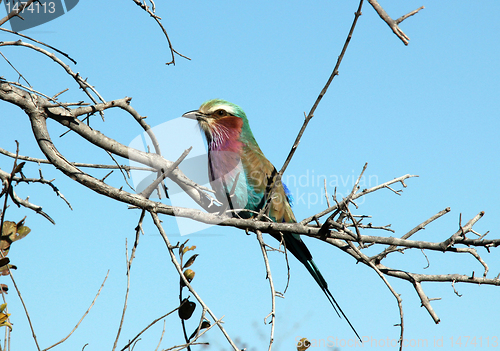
<point x="310" y="115"/>
<point x="217" y="321"/>
<point x="151" y="12"/>
<point x="269" y="277"/>
<point x="342" y="227"/>
<point x="393" y="24"/>
<point x="84" y="315"/>
<point x="149" y="326"/>
<point x="76" y="76"/>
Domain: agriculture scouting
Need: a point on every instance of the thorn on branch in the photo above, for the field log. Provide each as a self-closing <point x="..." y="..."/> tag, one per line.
<point x="107" y="175"/>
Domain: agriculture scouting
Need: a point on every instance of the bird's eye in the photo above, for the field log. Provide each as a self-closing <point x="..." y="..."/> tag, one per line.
<point x="221" y="113"/>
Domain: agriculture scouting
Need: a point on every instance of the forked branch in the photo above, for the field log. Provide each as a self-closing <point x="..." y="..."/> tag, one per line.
<point x="394" y="24"/>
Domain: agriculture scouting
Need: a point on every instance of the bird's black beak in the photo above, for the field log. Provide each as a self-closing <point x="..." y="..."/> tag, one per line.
<point x="192" y="115"/>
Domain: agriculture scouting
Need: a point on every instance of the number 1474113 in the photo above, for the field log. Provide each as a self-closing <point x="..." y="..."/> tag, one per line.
<point x="34" y="7"/>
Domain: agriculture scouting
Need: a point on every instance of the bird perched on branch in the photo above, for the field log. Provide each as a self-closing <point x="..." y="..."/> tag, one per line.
<point x="243" y="178"/>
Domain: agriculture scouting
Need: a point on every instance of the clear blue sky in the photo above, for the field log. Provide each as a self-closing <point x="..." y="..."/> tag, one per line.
<point x="430" y="108"/>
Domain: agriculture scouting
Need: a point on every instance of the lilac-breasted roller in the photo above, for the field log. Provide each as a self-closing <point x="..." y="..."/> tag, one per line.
<point x="242" y="177"/>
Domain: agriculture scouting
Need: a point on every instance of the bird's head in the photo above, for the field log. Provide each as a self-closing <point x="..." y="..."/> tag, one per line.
<point x="221" y="121"/>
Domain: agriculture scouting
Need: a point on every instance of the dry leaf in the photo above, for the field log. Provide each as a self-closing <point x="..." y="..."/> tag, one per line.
<point x="188" y="248"/>
<point x="187" y="309"/>
<point x="303" y="344"/>
<point x="19" y="167"/>
<point x="190" y="261"/>
<point x="4" y="316"/>
<point x="11" y="232"/>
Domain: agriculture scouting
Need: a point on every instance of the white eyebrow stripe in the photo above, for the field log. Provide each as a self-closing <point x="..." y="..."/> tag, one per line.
<point x="227" y="108"/>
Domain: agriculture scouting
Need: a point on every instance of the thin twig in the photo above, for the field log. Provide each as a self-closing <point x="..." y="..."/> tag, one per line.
<point x="39" y="42"/>
<point x="158" y="21"/>
<point x="335" y="72"/>
<point x="421" y="226"/>
<point x="367" y="261"/>
<point x="84" y="85"/>
<point x="149" y="326"/>
<point x="157" y="222"/>
<point x="76" y="164"/>
<point x="84" y="315"/>
<point x="310" y="115"/>
<point x="356" y="196"/>
<point x="161" y="337"/>
<point x="326" y="194"/>
<point x="126" y="298"/>
<point x="272" y="314"/>
<point x="24" y="306"/>
<point x="2" y="220"/>
<point x="409" y="14"/>
<point x="150" y="188"/>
